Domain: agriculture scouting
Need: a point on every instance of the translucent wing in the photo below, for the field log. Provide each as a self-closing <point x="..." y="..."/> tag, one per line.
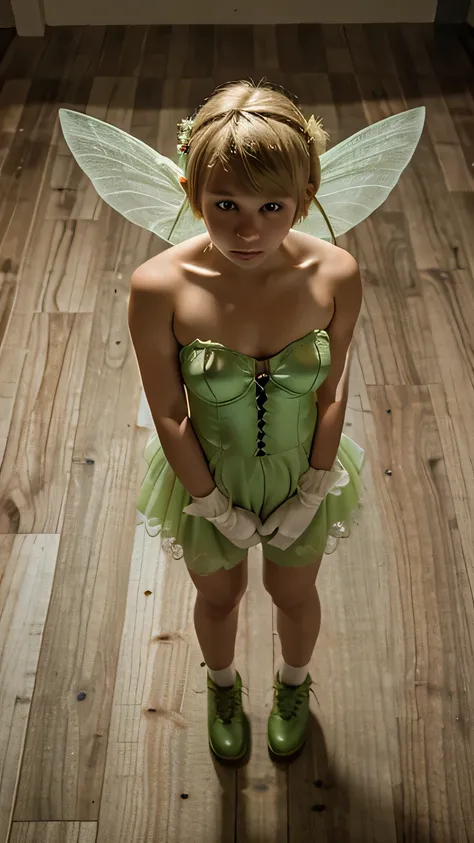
<point x="130" y="176"/>
<point x="358" y="174"/>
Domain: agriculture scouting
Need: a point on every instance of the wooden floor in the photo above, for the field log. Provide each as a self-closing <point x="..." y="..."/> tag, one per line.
<point x="102" y="688"/>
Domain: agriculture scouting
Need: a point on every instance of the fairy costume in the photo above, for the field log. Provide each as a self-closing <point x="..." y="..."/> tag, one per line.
<point x="255" y="419"/>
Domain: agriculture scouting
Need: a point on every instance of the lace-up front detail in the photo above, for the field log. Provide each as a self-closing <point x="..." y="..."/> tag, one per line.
<point x="289" y="699"/>
<point x="228" y="702"/>
<point x="261" y="381"/>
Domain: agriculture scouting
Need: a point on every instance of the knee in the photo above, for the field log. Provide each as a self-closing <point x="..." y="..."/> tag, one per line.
<point x="219" y="605"/>
<point x="290" y="599"/>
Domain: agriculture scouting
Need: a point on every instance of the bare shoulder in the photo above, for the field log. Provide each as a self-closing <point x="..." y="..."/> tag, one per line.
<point x="336" y="266"/>
<point x="342" y="268"/>
<point x="164" y="272"/>
<point x="326" y="256"/>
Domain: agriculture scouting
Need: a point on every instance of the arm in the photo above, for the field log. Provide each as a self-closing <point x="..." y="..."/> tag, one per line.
<point x="150" y="313"/>
<point x="333" y="393"/>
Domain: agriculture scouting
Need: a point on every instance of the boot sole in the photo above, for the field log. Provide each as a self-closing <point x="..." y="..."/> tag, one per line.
<point x="229" y="758"/>
<point x="287" y="756"/>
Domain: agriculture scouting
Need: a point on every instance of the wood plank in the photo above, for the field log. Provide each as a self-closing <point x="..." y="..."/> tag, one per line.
<point x="7" y="37"/>
<point x="59" y="53"/>
<point x="27" y="565"/>
<point x="394" y="318"/>
<point x="133" y="50"/>
<point x="464" y="214"/>
<point x="156" y="52"/>
<point x="22" y="56"/>
<point x="58" y="268"/>
<point x="261" y="785"/>
<point x="112" y="51"/>
<point x="427" y="669"/>
<point x="381" y="98"/>
<point x="338" y="54"/>
<point x="353" y="704"/>
<point x="434" y="233"/>
<point x="157" y="750"/>
<point x="234" y="50"/>
<point x="311" y="47"/>
<point x="265" y="48"/>
<point x="362" y="60"/>
<point x="95" y="549"/>
<point x="377" y="41"/>
<point x="347" y="101"/>
<point x="450" y="302"/>
<point x="23" y="172"/>
<point x="457" y="175"/>
<point x="460" y="104"/>
<point x="443" y="47"/>
<point x="201" y="53"/>
<point x="12" y="358"/>
<point x="407" y="62"/>
<point x="36" y="464"/>
<point x="439" y="121"/>
<point x="69" y="832"/>
<point x="12" y="102"/>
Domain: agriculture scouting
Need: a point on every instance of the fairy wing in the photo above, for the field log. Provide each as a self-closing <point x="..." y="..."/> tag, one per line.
<point x="130" y="176"/>
<point x="358" y="174"/>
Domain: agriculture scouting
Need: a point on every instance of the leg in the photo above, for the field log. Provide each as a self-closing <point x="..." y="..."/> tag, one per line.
<point x="294" y="593"/>
<point x="216" y="613"/>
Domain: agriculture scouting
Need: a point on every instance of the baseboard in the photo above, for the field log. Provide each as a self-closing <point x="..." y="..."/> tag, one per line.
<point x="140" y="12"/>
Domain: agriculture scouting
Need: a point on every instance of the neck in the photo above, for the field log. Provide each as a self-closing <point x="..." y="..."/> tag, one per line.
<point x="274" y="263"/>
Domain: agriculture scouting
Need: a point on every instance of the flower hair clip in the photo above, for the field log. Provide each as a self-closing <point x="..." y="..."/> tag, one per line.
<point x="184" y="134"/>
<point x="316" y="134"/>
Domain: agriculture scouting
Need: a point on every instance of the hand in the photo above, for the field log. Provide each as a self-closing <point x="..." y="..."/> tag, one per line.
<point x="292" y="518"/>
<point x="238" y="525"/>
<point x="295" y="515"/>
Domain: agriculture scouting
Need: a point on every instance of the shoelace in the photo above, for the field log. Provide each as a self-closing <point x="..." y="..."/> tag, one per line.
<point x="227" y="702"/>
<point x="289" y="699"/>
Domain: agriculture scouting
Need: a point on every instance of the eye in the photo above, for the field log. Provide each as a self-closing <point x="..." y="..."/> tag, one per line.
<point x="272" y="207"/>
<point x="225" y="202"/>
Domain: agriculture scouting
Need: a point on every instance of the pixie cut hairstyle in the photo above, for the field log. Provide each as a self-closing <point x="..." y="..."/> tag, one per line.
<point x="258" y="132"/>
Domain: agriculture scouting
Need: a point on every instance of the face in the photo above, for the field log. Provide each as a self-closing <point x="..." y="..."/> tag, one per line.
<point x="246" y="227"/>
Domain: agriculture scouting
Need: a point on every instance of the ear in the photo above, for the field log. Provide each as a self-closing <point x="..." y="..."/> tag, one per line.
<point x="184" y="184"/>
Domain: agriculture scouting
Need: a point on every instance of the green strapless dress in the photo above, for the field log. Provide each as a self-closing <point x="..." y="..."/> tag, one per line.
<point x="255" y="421"/>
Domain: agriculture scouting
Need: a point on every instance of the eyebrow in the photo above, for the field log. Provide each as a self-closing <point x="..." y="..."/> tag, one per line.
<point x="231" y="195"/>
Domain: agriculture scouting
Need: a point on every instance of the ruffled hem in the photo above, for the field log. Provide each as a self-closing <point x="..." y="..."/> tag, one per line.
<point x="169" y="545"/>
<point x="162" y="499"/>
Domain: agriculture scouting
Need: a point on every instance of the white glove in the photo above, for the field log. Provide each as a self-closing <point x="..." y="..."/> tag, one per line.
<point x="238" y="525"/>
<point x="295" y="515"/>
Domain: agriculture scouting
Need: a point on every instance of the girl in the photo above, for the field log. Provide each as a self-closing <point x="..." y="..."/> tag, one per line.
<point x="242" y="336"/>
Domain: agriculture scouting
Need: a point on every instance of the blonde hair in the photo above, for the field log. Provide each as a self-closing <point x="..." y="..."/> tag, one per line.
<point x="260" y="128"/>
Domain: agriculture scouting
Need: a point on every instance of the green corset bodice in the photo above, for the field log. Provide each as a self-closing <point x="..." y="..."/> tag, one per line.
<point x="244" y="407"/>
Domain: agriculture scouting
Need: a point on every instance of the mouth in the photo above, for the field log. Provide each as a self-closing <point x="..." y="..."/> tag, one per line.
<point x="246" y="255"/>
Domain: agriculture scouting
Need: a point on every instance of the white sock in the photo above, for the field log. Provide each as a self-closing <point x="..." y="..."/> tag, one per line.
<point x="293" y="675"/>
<point x="224" y="678"/>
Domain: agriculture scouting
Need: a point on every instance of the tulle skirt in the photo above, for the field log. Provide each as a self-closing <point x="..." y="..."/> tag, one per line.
<point x="256" y="483"/>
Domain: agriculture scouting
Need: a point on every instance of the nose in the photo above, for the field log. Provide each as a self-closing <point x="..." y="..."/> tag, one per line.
<point x="247" y="231"/>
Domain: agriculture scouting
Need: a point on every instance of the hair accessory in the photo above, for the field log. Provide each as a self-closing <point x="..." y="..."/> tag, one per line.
<point x="316" y="134"/>
<point x="184" y="134"/>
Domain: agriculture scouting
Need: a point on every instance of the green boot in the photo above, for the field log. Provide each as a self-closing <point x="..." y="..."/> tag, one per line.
<point x="289" y="717"/>
<point x="228" y="727"/>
